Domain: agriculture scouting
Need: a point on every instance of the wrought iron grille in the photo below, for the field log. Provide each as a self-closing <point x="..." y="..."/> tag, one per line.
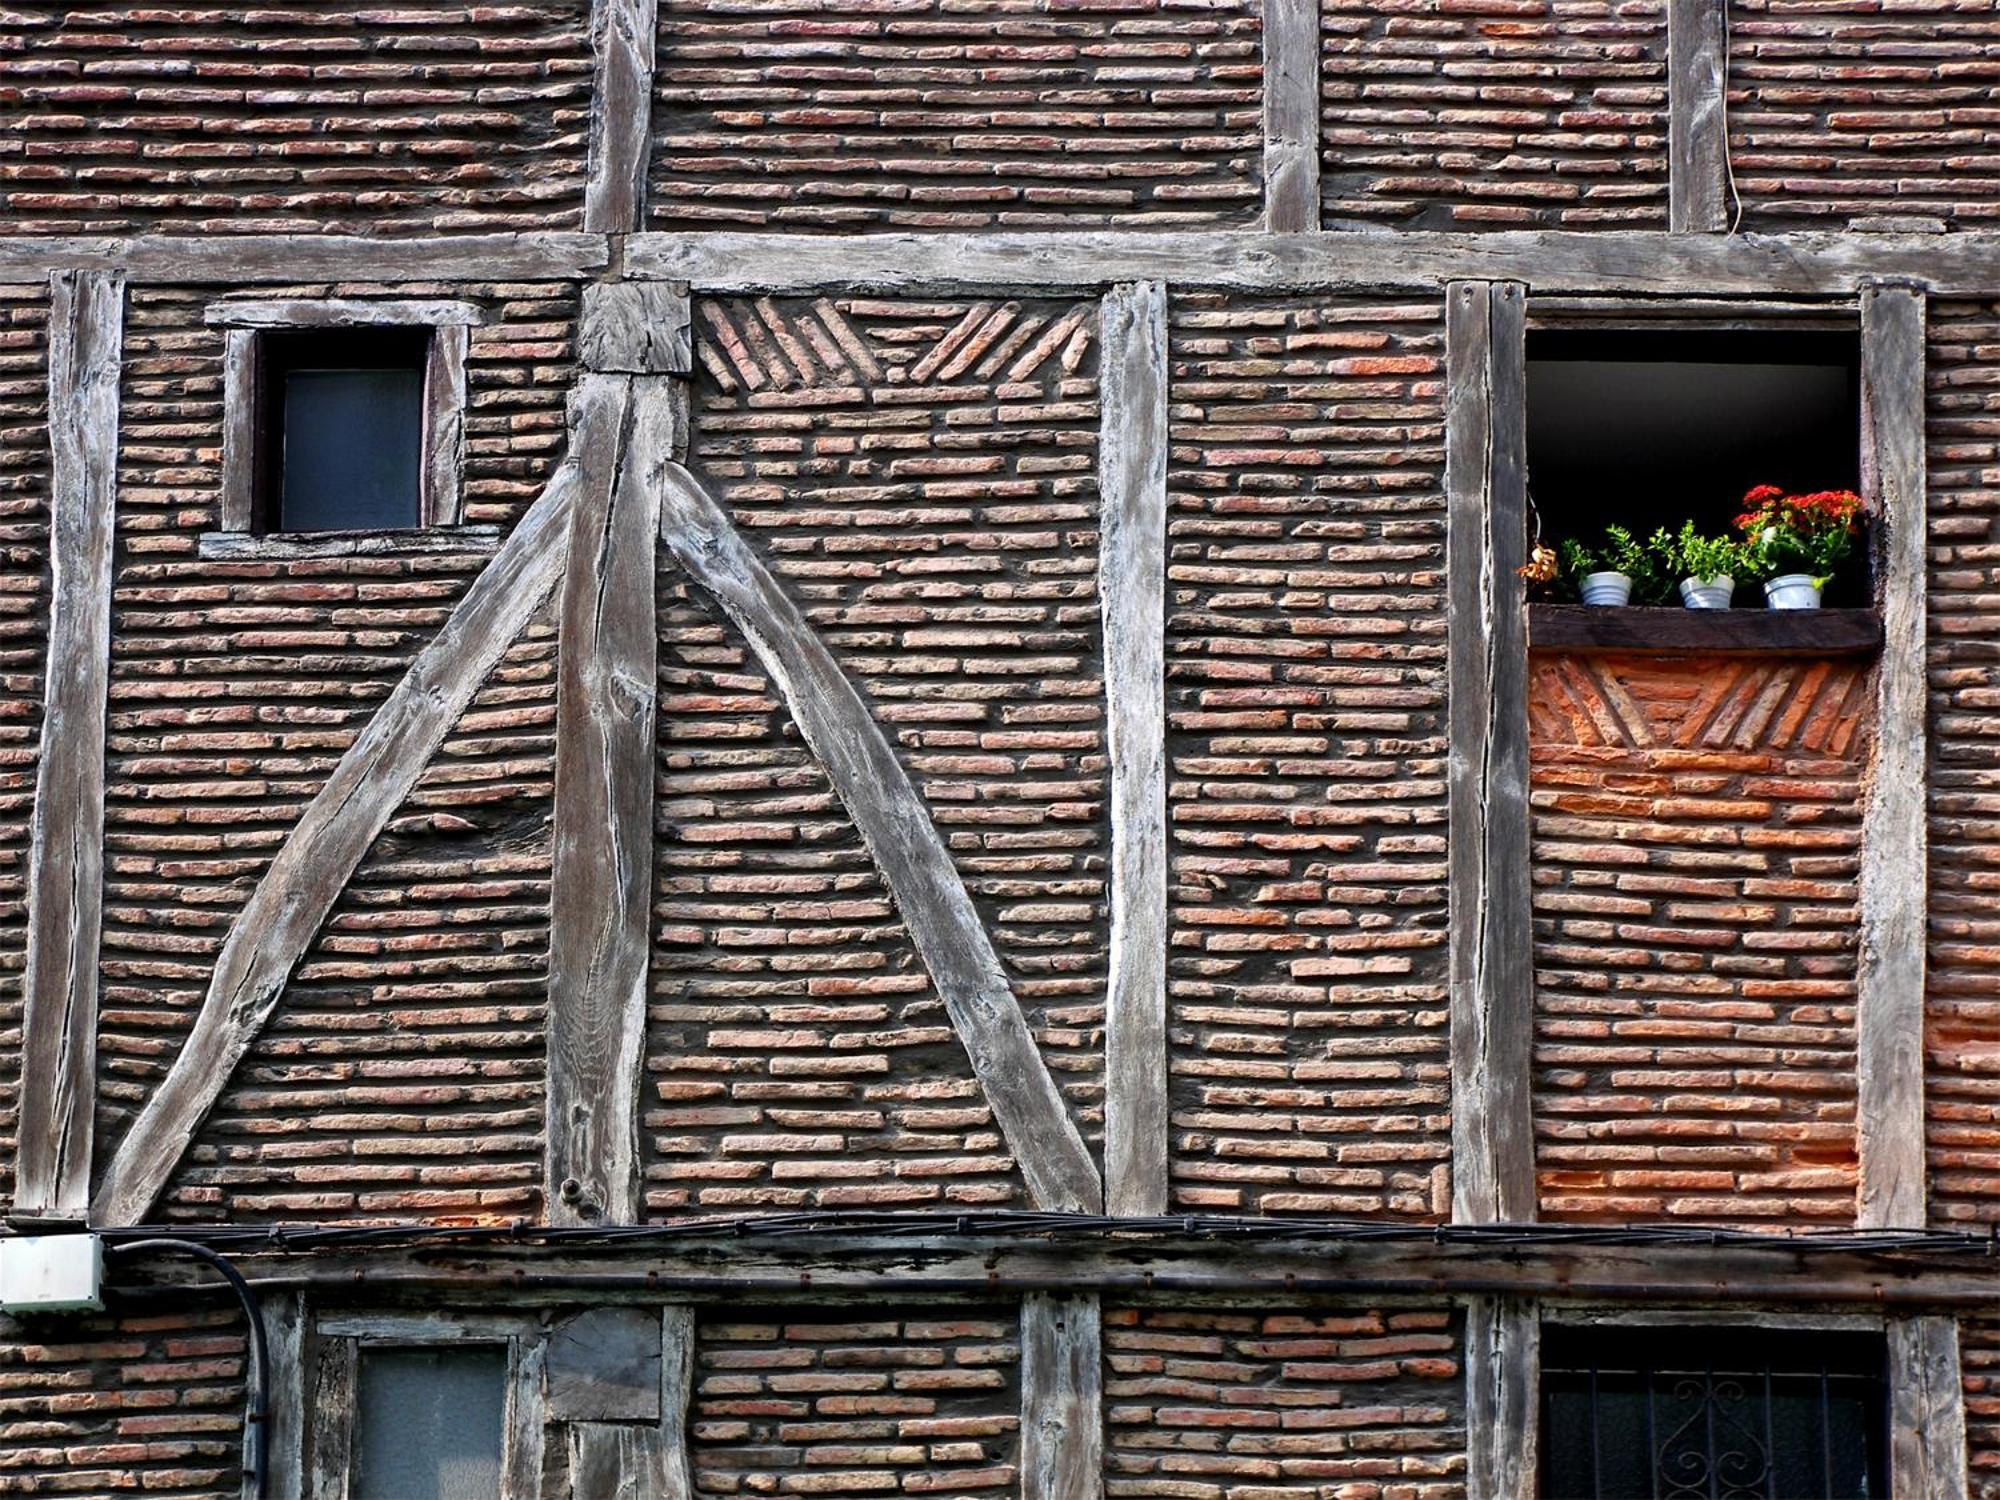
<point x="1717" y="1413"/>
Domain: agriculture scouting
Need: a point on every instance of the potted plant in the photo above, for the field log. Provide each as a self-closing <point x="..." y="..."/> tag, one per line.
<point x="1798" y="541"/>
<point x="1613" y="571"/>
<point x="1705" y="565"/>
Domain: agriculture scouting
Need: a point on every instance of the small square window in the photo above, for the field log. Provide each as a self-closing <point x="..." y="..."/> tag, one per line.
<point x="340" y="430"/>
<point x="431" y="1423"/>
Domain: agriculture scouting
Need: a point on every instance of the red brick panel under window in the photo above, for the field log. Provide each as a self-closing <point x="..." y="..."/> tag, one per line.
<point x="1363" y="1403"/>
<point x="1852" y="109"/>
<point x="1305" y="652"/>
<point x="1001" y="113"/>
<point x="1696" y="835"/>
<point x="922" y="477"/>
<point x="1494" y="114"/>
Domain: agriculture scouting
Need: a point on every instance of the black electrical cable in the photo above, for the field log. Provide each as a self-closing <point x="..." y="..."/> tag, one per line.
<point x="256" y="1459"/>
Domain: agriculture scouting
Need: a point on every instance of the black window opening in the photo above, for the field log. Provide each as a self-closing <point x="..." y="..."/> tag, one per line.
<point x="1650" y="428"/>
<point x="341" y="430"/>
<point x="430" y="1423"/>
<point x="1712" y="1413"/>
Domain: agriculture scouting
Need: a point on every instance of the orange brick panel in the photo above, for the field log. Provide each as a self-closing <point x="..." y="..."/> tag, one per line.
<point x="1002" y="114"/>
<point x="922" y="477"/>
<point x="1849" y="110"/>
<point x="1494" y="114"/>
<point x="291" y="119"/>
<point x="1305" y="654"/>
<point x="1979" y="1357"/>
<point x="1363" y="1403"/>
<point x="1696" y="833"/>
<point x="891" y="1403"/>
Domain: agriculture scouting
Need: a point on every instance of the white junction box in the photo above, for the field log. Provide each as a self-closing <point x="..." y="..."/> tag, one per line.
<point x="46" y="1273"/>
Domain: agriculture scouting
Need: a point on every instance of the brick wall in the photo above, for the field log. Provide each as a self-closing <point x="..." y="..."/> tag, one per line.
<point x="1230" y="1403"/>
<point x="114" y="1404"/>
<point x="212" y="117"/>
<point x="892" y="1402"/>
<point x="1305" y="652"/>
<point x="1495" y="114"/>
<point x="1696" y="830"/>
<point x="935" y="116"/>
<point x="922" y="477"/>
<point x="234" y="689"/>
<point x="1979" y="1355"/>
<point x="1844" y="110"/>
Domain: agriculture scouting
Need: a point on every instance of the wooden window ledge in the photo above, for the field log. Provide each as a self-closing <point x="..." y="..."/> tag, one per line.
<point x="1707" y="632"/>
<point x="419" y="541"/>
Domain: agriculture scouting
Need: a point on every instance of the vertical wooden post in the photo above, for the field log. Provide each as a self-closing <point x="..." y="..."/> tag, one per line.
<point x="1291" y="115"/>
<point x="1132" y="566"/>
<point x="1502" y="1398"/>
<point x="1062" y="1398"/>
<point x="1490" y="955"/>
<point x="66" y="850"/>
<point x="624" y="35"/>
<point x="285" y="1377"/>
<point x="1894" y="885"/>
<point x="1926" y="1410"/>
<point x="1697" y="117"/>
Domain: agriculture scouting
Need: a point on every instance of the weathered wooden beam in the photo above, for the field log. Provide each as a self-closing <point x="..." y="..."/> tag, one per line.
<point x="609" y="1461"/>
<point x="1062" y="1398"/>
<point x="1291" y="115"/>
<point x="1926" y="1410"/>
<point x="66" y="842"/>
<point x="238" y="260"/>
<point x="284" y="1317"/>
<point x="602" y="892"/>
<point x="622" y="35"/>
<point x="443" y="496"/>
<point x="342" y="312"/>
<point x="336" y="1367"/>
<point x="1697" y="117"/>
<point x="1132" y="572"/>
<point x="637" y="327"/>
<point x="1490" y="954"/>
<point x="893" y="822"/>
<point x="1894" y="884"/>
<point x="285" y="911"/>
<point x="1503" y="1340"/>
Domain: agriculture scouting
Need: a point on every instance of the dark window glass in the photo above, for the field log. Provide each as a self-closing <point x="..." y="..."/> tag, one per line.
<point x="430" y="1423"/>
<point x="343" y="430"/>
<point x="1641" y="1413"/>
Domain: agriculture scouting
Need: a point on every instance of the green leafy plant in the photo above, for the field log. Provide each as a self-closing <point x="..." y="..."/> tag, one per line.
<point x="1619" y="552"/>
<point x="1813" y="534"/>
<point x="1689" y="554"/>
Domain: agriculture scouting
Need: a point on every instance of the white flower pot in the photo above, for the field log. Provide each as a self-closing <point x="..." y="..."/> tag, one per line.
<point x="1606" y="588"/>
<point x="1708" y="593"/>
<point x="1792" y="591"/>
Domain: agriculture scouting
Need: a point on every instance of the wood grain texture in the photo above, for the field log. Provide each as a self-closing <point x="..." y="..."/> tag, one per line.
<point x="1645" y="629"/>
<point x="243" y="546"/>
<point x="1062" y="1398"/>
<point x="649" y="1458"/>
<point x="1490" y="953"/>
<point x="1132" y="570"/>
<point x="1291" y="115"/>
<point x="622" y="36"/>
<point x="284" y="1316"/>
<point x="342" y="312"/>
<point x="1502" y="1398"/>
<point x="442" y="502"/>
<point x="238" y="502"/>
<point x="604" y="767"/>
<point x="1926" y="1409"/>
<point x="336" y="1365"/>
<point x="1697" y="118"/>
<point x="239" y="260"/>
<point x="65" y="884"/>
<point x="893" y="822"/>
<point x="299" y="888"/>
<point x="636" y="327"/>
<point x="603" y="1365"/>
<point x="1890" y="975"/>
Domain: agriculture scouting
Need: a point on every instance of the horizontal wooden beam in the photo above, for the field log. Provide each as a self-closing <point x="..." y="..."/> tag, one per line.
<point x="1723" y="632"/>
<point x="279" y="259"/>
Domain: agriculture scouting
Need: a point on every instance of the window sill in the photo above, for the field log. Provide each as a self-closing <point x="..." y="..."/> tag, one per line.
<point x="1652" y="631"/>
<point x="429" y="541"/>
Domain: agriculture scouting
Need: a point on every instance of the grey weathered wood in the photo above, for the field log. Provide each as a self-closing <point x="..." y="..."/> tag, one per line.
<point x="1502" y="1407"/>
<point x="284" y="1433"/>
<point x="335" y="1368"/>
<point x="1894" y="888"/>
<point x="601" y="897"/>
<point x="239" y="430"/>
<point x="607" y="1462"/>
<point x="622" y="35"/>
<point x="610" y="1461"/>
<point x="521" y="1452"/>
<point x="239" y="260"/>
<point x="1697" y="117"/>
<point x="285" y="911"/>
<point x="871" y="783"/>
<point x="66" y="849"/>
<point x="342" y="312"/>
<point x="1132" y="566"/>
<point x="1291" y="115"/>
<point x="637" y="327"/>
<point x="442" y="501"/>
<point x="1926" y="1410"/>
<point x="603" y="1365"/>
<point x="243" y="546"/>
<point x="1062" y="1398"/>
<point x="677" y="1340"/>
<point x="1490" y="955"/>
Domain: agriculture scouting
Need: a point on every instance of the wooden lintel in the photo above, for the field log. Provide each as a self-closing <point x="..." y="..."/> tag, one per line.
<point x="283" y="915"/>
<point x="342" y="312"/>
<point x="1926" y="1410"/>
<point x="1490" y="956"/>
<point x="636" y="327"/>
<point x="623" y="38"/>
<point x="1697" y="117"/>
<point x="66" y="843"/>
<point x="1062" y="1398"/>
<point x="943" y="923"/>
<point x="1132" y="567"/>
<point x="1502" y="1397"/>
<point x="1291" y="115"/>
<point x="1894" y="888"/>
<point x="602" y="890"/>
<point x="240" y="260"/>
